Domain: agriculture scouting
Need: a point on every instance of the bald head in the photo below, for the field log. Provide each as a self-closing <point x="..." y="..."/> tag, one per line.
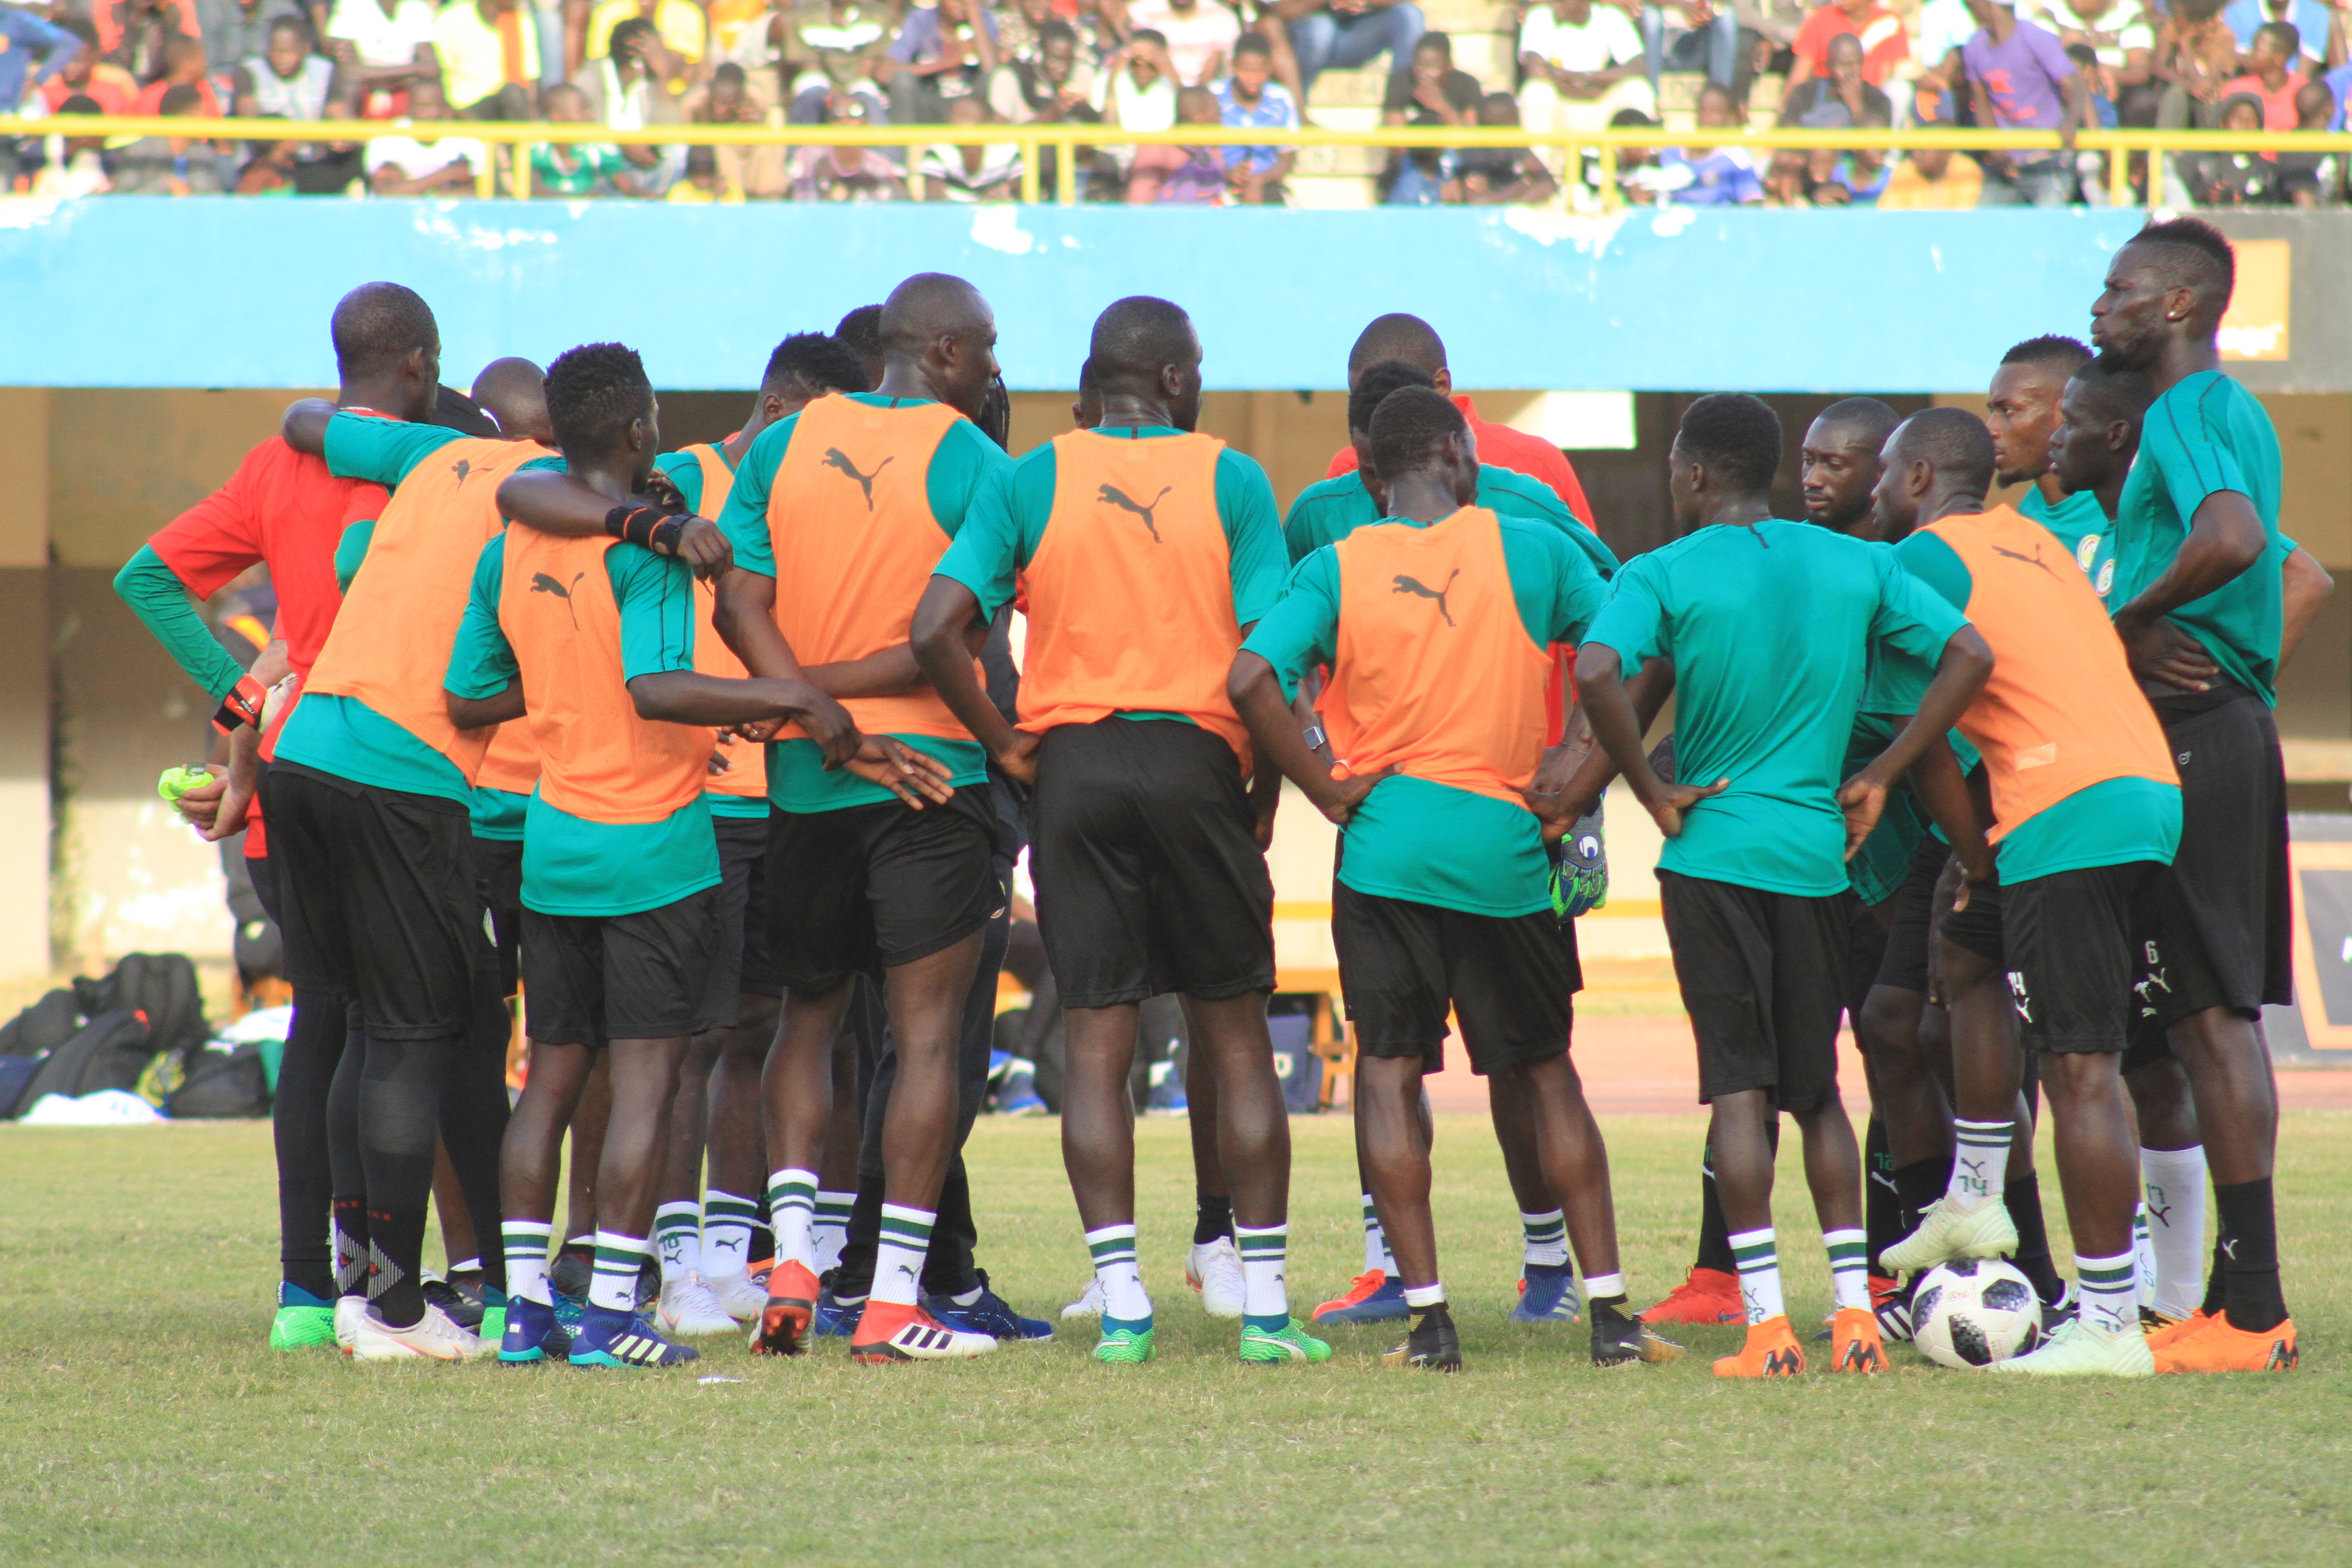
<point x="1145" y="349"/>
<point x="1861" y="421"/>
<point x="514" y="390"/>
<point x="1938" y="462"/>
<point x="1397" y="336"/>
<point x="938" y="341"/>
<point x="929" y="306"/>
<point x="376" y="325"/>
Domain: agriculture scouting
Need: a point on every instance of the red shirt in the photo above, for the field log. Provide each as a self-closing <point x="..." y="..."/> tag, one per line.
<point x="110" y="86"/>
<point x="1884" y="45"/>
<point x="1507" y="448"/>
<point x="284" y="508"/>
<point x="2278" y="108"/>
<point x="151" y="100"/>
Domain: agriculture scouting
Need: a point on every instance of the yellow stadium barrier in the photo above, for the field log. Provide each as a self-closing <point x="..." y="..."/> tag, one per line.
<point x="1066" y="139"/>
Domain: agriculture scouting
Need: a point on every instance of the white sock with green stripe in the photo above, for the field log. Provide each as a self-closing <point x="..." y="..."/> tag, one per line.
<point x="1266" y="1301"/>
<point x="727" y="1222"/>
<point x="1113" y="1248"/>
<point x="1376" y="1240"/>
<point x="831" y="1226"/>
<point x="1547" y="1236"/>
<point x="1979" y="1162"/>
<point x="792" y="1214"/>
<point x="678" y="1239"/>
<point x="2110" y="1292"/>
<point x="1849" y="1266"/>
<point x="613" y="1285"/>
<point x="898" y="1254"/>
<point x="526" y="1243"/>
<point x="1758" y="1262"/>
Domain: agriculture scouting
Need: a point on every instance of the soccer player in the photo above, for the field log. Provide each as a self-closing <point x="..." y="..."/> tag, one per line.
<point x="1324" y="513"/>
<point x="838" y="514"/>
<point x="705" y="1245"/>
<point x="2086" y="813"/>
<point x="1437" y="630"/>
<point x="2021" y="412"/>
<point x="284" y="508"/>
<point x="1753" y="879"/>
<point x="2195" y="526"/>
<point x="1147" y="551"/>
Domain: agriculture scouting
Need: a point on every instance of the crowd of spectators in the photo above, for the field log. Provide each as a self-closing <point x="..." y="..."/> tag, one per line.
<point x="391" y="84"/>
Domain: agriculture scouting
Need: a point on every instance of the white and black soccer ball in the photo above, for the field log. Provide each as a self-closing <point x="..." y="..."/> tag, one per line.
<point x="1975" y="1311"/>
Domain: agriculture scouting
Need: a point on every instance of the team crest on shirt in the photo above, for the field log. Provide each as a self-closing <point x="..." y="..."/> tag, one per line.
<point x="2088" y="551"/>
<point x="2107" y="578"/>
<point x="1111" y="495"/>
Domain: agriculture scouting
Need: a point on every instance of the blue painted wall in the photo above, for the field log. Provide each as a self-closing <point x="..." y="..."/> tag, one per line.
<point x="138" y="291"/>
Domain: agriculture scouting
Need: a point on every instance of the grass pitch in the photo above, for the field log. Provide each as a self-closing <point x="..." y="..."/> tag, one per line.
<point x="142" y="1419"/>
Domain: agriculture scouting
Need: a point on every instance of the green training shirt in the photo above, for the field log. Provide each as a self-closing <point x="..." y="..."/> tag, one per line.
<point x="1769" y="628"/>
<point x="2206" y="434"/>
<point x="685" y="470"/>
<point x="2082" y="527"/>
<point x="1414" y="838"/>
<point x="963" y="459"/>
<point x="571" y="866"/>
<point x="1328" y="511"/>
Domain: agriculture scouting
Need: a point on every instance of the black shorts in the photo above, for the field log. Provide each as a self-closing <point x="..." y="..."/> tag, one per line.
<point x="1510" y="980"/>
<point x="869" y="888"/>
<point x="1866" y="954"/>
<point x="2216" y="927"/>
<point x="1149" y="875"/>
<point x="1904" y="966"/>
<point x="652" y="975"/>
<point x="1763" y="976"/>
<point x="375" y="895"/>
<point x="743" y="905"/>
<point x="498" y="884"/>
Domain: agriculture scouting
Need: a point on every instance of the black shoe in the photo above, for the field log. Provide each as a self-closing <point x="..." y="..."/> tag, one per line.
<point x="1431" y="1345"/>
<point x="648" y="1287"/>
<point x="574" y="1268"/>
<point x="1619" y="1339"/>
<point x="466" y="1315"/>
<point x="469" y="1283"/>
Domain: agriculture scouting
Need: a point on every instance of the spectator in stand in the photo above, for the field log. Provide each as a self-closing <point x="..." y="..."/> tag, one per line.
<point x="970" y="171"/>
<point x="411" y="166"/>
<point x="33" y="54"/>
<point x="1017" y="28"/>
<point x="624" y="93"/>
<point x="1045" y="82"/>
<point x="1431" y="92"/>
<point x="940" y="54"/>
<point x="1884" y="45"/>
<point x="1191" y="175"/>
<point x="183" y="65"/>
<point x="2122" y="41"/>
<point x="2195" y="53"/>
<point x="1251" y="97"/>
<point x="287" y="81"/>
<point x="74" y="165"/>
<point x="681" y="38"/>
<point x="235" y="31"/>
<point x="1839" y="99"/>
<point x="731" y="22"/>
<point x="1695" y="35"/>
<point x="1348" y="33"/>
<point x="575" y="168"/>
<point x="1583" y="63"/>
<point x="381" y="47"/>
<point x="1932" y="179"/>
<point x="2309" y="179"/>
<point x="132" y="33"/>
<point x="702" y="185"/>
<point x="1200" y="35"/>
<point x="846" y="174"/>
<point x="2238" y="179"/>
<point x="2271" y="77"/>
<point x="1499" y="176"/>
<point x="170" y="165"/>
<point x="488" y="51"/>
<point x="838" y="47"/>
<point x="1135" y="92"/>
<point x="87" y="74"/>
<point x="2019" y="78"/>
<point x="759" y="172"/>
<point x="2310" y="19"/>
<point x="1943" y="26"/>
<point x="1706" y="176"/>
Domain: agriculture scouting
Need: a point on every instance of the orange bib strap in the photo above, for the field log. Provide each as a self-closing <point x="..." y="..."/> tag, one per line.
<point x="2061" y="711"/>
<point x="849" y="518"/>
<point x="598" y="759"/>
<point x="746" y="773"/>
<point x="1433" y="673"/>
<point x="390" y="646"/>
<point x="1130" y="589"/>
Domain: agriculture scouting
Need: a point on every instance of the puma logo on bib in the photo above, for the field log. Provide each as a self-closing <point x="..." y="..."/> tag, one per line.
<point x="834" y="458"/>
<point x="1111" y="495"/>
<point x="1414" y="586"/>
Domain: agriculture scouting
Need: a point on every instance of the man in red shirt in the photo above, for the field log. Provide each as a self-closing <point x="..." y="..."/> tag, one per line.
<point x="284" y="508"/>
<point x="1885" y="43"/>
<point x="1398" y="336"/>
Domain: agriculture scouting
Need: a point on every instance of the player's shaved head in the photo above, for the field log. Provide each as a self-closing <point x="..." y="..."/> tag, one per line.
<point x="377" y="325"/>
<point x="1376" y="382"/>
<point x="2065" y="355"/>
<point x="814" y="363"/>
<point x="1952" y="441"/>
<point x="1397" y="336"/>
<point x="1736" y="437"/>
<point x="2189" y="253"/>
<point x="514" y="391"/>
<point x="927" y="306"/>
<point x="862" y="330"/>
<point x="2110" y="393"/>
<point x="592" y="394"/>
<point x="1410" y="429"/>
<point x="1859" y="421"/>
<point x="1144" y="348"/>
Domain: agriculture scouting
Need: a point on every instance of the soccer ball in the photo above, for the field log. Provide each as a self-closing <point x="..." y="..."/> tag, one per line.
<point x="1975" y="1311"/>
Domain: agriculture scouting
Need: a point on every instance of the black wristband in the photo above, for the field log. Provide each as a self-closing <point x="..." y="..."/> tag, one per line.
<point x="635" y="523"/>
<point x="663" y="540"/>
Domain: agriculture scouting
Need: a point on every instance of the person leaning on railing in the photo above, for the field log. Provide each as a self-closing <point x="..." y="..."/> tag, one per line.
<point x="287" y="81"/>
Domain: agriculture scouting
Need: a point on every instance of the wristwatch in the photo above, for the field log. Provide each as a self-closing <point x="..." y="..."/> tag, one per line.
<point x="1315" y="738"/>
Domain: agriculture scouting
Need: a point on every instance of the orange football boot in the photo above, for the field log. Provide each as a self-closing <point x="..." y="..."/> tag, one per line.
<point x="1706" y="1296"/>
<point x="1856" y="1344"/>
<point x="2220" y="1345"/>
<point x="783" y="1325"/>
<point x="1771" y="1351"/>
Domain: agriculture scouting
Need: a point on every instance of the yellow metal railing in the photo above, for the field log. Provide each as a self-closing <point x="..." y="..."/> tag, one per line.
<point x="1066" y="140"/>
